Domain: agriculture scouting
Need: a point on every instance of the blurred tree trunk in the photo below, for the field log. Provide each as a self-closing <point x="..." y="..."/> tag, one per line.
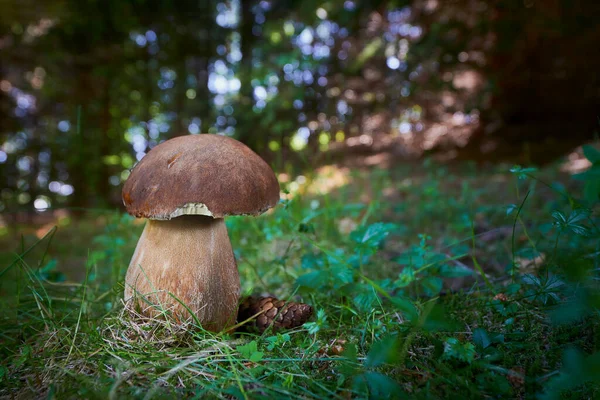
<point x="547" y="96"/>
<point x="105" y="137"/>
<point x="79" y="152"/>
<point x="89" y="174"/>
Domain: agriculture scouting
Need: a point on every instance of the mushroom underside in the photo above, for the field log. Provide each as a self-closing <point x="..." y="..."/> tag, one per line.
<point x="186" y="260"/>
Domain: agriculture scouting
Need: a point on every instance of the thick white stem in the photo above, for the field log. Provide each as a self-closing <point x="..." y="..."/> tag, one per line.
<point x="191" y="258"/>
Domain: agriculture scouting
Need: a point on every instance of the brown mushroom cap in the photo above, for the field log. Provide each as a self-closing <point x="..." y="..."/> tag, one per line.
<point x="203" y="174"/>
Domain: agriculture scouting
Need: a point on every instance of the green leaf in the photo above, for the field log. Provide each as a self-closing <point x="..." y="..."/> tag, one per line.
<point x="439" y="320"/>
<point x="432" y="285"/>
<point x="312" y="261"/>
<point x="342" y="275"/>
<point x="381" y="386"/>
<point x="311" y="327"/>
<point x="349" y="364"/>
<point x="569" y="312"/>
<point x="560" y="218"/>
<point x="496" y="337"/>
<point x="405" y="306"/>
<point x="532" y="280"/>
<point x="277" y="340"/>
<point x="365" y="298"/>
<point x="256" y="356"/>
<point x="306" y="228"/>
<point x="591" y="190"/>
<point x="373" y="234"/>
<point x="572" y="222"/>
<point x="385" y="351"/>
<point x="321" y="322"/>
<point x="481" y="338"/>
<point x="522" y="173"/>
<point x="579" y="214"/>
<point x="454" y="349"/>
<point x="455" y="271"/>
<point x="250" y="351"/>
<point x="591" y="153"/>
<point x="577" y="369"/>
<point x="314" y="280"/>
<point x="24" y="356"/>
<point x="406" y="277"/>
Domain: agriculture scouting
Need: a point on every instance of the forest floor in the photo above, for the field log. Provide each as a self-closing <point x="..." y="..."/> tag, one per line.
<point x="427" y="280"/>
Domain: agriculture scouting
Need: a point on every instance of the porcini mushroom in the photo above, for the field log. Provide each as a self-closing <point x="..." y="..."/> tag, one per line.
<point x="185" y="186"/>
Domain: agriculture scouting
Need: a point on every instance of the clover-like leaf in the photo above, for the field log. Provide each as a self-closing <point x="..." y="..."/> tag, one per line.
<point x="454" y="349"/>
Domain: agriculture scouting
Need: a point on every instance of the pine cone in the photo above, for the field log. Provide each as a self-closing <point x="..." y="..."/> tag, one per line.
<point x="280" y="314"/>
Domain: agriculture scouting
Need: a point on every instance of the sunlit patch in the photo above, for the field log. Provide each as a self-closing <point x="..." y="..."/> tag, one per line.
<point x="194" y="126"/>
<point x="64" y="126"/>
<point x="274" y="145"/>
<point x="41" y="203"/>
<point x="346" y="225"/>
<point x="393" y="62"/>
<point x="44" y="229"/>
<point x="66" y="190"/>
<point x="434" y="134"/>
<point x="38" y="29"/>
<point x="328" y="178"/>
<point x="405" y="128"/>
<point x="300" y="139"/>
<point x="190" y="94"/>
<point x="260" y="93"/>
<point x="5" y="86"/>
<point x="576" y="162"/>
<point x="467" y="80"/>
<point x="321" y="13"/>
<point x="364" y="140"/>
<point x="36" y="78"/>
<point x="283" y="177"/>
<point x="228" y="14"/>
<point x="380" y="159"/>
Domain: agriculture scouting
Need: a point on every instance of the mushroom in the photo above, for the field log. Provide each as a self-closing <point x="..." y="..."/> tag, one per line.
<point x="183" y="261"/>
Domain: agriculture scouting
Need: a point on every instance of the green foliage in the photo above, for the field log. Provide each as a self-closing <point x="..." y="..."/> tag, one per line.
<point x="390" y="319"/>
<point x="250" y="351"/>
<point x="385" y="351"/>
<point x="522" y="173"/>
<point x="573" y="222"/>
<point x="578" y="369"/>
<point x="544" y="290"/>
<point x="454" y="349"/>
<point x="277" y="340"/>
<point x="364" y="377"/>
<point x="372" y="236"/>
<point x="591" y="177"/>
<point x="321" y="322"/>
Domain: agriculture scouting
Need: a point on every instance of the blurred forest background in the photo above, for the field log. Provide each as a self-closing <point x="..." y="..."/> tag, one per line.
<point x="87" y="87"/>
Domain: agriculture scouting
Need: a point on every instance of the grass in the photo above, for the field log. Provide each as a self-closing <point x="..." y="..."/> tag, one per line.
<point x="427" y="281"/>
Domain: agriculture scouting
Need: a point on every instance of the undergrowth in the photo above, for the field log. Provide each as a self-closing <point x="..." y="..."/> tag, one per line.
<point x="435" y="284"/>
